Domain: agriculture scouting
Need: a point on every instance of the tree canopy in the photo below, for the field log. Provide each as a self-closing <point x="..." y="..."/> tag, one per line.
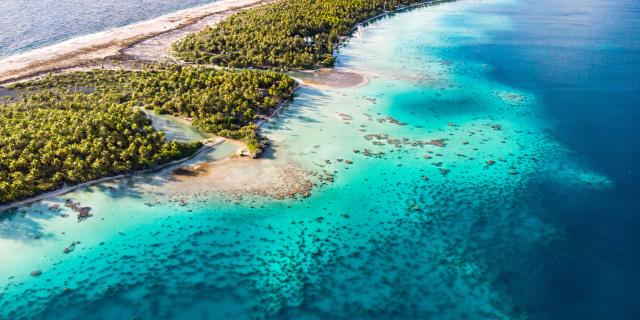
<point x="287" y="34"/>
<point x="75" y="127"/>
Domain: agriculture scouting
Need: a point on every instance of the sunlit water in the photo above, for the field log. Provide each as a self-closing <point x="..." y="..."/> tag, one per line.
<point x="28" y="24"/>
<point x="175" y="128"/>
<point x="529" y="210"/>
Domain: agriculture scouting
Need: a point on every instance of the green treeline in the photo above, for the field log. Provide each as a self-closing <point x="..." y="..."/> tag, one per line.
<point x="287" y="34"/>
<point x="75" y="127"/>
<point x="50" y="139"/>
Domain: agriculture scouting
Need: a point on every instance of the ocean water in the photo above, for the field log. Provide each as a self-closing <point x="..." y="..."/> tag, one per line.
<point x="528" y="210"/>
<point x="28" y="24"/>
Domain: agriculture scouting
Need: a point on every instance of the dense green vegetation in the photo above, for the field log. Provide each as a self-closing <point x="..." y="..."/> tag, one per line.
<point x="286" y="34"/>
<point x="53" y="138"/>
<point x="74" y="127"/>
<point x="221" y="102"/>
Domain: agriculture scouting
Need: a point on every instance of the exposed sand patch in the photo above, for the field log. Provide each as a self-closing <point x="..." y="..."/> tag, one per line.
<point x="330" y="78"/>
<point x="158" y="48"/>
<point x="235" y="176"/>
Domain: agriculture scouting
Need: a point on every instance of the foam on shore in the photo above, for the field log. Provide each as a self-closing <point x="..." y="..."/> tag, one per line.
<point x="97" y="46"/>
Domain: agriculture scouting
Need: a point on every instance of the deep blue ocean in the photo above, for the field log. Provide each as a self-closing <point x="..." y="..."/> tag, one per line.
<point x="530" y="209"/>
<point x="582" y="59"/>
<point x="28" y="24"/>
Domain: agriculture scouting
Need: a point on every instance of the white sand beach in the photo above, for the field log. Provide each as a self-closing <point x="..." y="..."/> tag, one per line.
<point x="91" y="49"/>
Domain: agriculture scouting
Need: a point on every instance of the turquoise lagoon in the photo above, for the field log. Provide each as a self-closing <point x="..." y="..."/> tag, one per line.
<point x="448" y="210"/>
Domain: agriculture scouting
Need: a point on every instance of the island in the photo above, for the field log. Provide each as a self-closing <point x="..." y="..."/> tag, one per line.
<point x="74" y="126"/>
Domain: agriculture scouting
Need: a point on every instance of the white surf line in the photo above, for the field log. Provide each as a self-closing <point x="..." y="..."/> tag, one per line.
<point x="110" y="42"/>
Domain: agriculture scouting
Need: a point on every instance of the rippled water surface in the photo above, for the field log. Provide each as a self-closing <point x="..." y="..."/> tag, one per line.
<point x="29" y="24"/>
<point x="494" y="175"/>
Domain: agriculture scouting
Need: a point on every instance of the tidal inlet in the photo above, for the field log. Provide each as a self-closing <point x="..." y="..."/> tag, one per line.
<point x="319" y="159"/>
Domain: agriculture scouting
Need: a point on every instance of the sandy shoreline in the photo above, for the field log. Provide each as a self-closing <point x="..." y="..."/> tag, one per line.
<point x="94" y="48"/>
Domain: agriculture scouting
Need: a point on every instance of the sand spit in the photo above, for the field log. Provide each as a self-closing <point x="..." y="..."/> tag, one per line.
<point x="238" y="176"/>
<point x="327" y="78"/>
<point x="92" y="49"/>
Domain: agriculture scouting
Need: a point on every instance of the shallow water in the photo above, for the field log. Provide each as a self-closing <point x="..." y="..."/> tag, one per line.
<point x="175" y="128"/>
<point x="518" y="215"/>
<point x="28" y="24"/>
